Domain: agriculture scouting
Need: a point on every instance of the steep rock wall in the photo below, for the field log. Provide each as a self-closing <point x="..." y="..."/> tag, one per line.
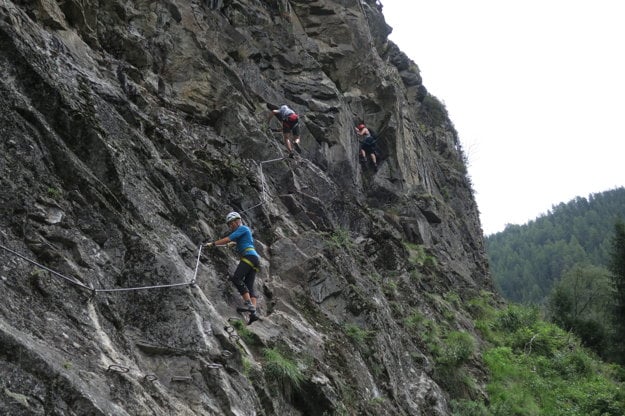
<point x="129" y="129"/>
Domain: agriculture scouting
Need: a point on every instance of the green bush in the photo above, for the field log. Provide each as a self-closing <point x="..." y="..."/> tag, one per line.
<point x="340" y="239"/>
<point x="537" y="369"/>
<point x="507" y="387"/>
<point x="481" y="307"/>
<point x="573" y="364"/>
<point x="415" y="320"/>
<point x="515" y="317"/>
<point x="357" y="335"/>
<point x="541" y="338"/>
<point x="390" y="290"/>
<point x="418" y="255"/>
<point x="246" y="335"/>
<point x="425" y="330"/>
<point x="468" y="408"/>
<point x="54" y="193"/>
<point x="280" y="368"/>
<point x="605" y="402"/>
<point x="450" y="353"/>
<point x="456" y="349"/>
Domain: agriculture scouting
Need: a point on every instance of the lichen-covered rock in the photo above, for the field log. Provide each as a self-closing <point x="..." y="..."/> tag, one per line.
<point x="130" y="128"/>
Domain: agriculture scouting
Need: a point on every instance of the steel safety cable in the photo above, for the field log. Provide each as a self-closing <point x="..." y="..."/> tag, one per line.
<point x="41" y="266"/>
<point x="91" y="289"/>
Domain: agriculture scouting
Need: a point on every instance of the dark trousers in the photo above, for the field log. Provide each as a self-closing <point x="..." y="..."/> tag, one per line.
<point x="244" y="276"/>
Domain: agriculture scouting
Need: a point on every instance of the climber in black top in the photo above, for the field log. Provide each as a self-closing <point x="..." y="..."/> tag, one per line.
<point x="367" y="145"/>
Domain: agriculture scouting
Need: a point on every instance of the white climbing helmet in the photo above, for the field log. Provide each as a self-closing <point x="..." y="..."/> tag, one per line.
<point x="232" y="216"/>
<point x="285" y="111"/>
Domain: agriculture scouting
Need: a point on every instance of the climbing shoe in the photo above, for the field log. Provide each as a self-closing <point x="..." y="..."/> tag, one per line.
<point x="363" y="160"/>
<point x="375" y="167"/>
<point x="296" y="145"/>
<point x="291" y="155"/>
<point x="247" y="307"/>
<point x="253" y="318"/>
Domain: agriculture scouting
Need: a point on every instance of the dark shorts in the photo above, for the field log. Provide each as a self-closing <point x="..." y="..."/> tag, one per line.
<point x="369" y="149"/>
<point x="290" y="128"/>
<point x="245" y="275"/>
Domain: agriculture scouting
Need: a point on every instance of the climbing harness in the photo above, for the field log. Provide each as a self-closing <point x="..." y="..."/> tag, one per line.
<point x="249" y="263"/>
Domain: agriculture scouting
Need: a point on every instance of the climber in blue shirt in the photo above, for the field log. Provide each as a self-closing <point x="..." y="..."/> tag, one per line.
<point x="290" y="126"/>
<point x="245" y="273"/>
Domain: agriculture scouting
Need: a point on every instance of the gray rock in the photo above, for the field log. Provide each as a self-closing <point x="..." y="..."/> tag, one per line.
<point x="131" y="128"/>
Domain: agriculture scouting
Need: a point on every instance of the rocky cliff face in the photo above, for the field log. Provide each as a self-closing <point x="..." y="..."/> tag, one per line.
<point x="129" y="128"/>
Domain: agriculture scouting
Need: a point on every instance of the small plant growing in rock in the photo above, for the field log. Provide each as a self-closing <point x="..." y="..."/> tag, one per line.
<point x="377" y="400"/>
<point x="453" y="298"/>
<point x="282" y="369"/>
<point x="464" y="407"/>
<point x="423" y="128"/>
<point x="415" y="320"/>
<point x="357" y="335"/>
<point x="482" y="306"/>
<point x="54" y="193"/>
<point x="457" y="348"/>
<point x="415" y="275"/>
<point x="340" y="239"/>
<point x="37" y="273"/>
<point x="419" y="256"/>
<point x="453" y="351"/>
<point x="246" y="335"/>
<point x="390" y="290"/>
<point x="247" y="365"/>
<point x="375" y="278"/>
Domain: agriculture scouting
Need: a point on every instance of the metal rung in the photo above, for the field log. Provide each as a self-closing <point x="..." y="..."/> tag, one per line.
<point x="182" y="378"/>
<point x="118" y="368"/>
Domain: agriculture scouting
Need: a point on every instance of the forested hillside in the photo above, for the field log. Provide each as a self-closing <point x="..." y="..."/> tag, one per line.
<point x="527" y="259"/>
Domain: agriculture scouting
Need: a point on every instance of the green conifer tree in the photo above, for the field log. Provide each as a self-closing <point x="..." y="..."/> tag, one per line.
<point x="617" y="267"/>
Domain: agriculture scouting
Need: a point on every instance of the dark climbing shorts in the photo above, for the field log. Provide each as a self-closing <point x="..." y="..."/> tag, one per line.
<point x="290" y="128"/>
<point x="369" y="149"/>
<point x="244" y="276"/>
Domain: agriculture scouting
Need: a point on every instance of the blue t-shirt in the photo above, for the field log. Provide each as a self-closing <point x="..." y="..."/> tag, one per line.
<point x="245" y="242"/>
<point x="284" y="112"/>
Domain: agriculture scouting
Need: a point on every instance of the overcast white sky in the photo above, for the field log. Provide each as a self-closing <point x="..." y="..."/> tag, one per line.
<point x="535" y="89"/>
